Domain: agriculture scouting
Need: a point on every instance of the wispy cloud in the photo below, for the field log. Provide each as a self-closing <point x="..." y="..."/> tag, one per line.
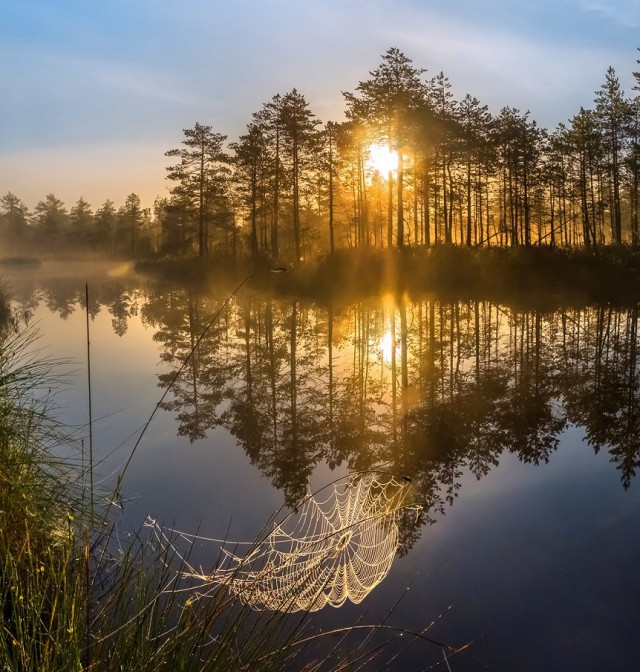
<point x="124" y="78"/>
<point x="624" y="12"/>
<point x="502" y="67"/>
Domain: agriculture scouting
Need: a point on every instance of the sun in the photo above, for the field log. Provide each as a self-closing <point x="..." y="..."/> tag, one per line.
<point x="382" y="160"/>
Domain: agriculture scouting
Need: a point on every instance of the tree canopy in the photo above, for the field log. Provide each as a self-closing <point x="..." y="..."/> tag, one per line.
<point x="411" y="165"/>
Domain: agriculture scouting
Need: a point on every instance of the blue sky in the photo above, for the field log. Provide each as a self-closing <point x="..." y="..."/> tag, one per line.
<point x="94" y="93"/>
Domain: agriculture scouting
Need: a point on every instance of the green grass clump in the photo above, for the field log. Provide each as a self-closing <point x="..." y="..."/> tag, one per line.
<point x="40" y="623"/>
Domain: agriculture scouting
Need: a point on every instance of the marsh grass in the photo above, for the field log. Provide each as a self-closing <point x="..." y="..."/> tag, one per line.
<point x="77" y="593"/>
<point x="38" y="490"/>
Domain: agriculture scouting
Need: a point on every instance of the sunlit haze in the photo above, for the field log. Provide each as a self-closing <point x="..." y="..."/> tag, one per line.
<point x="95" y="93"/>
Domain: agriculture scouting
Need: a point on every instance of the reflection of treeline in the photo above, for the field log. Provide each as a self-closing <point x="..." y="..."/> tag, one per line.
<point x="291" y="187"/>
<point x="64" y="294"/>
<point x="425" y="388"/>
<point x="429" y="388"/>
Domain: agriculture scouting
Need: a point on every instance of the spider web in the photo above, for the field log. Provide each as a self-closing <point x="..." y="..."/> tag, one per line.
<point x="328" y="551"/>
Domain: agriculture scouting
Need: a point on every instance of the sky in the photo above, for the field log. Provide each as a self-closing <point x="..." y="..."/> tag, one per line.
<point x="94" y="92"/>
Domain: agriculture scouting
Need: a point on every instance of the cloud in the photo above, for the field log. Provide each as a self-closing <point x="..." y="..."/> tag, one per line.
<point x="503" y="67"/>
<point x="52" y="98"/>
<point x="111" y="77"/>
<point x="626" y="13"/>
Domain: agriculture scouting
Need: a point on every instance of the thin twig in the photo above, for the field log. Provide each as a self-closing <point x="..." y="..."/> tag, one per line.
<point x="91" y="504"/>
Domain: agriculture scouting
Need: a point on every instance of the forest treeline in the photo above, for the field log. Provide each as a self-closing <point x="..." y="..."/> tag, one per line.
<point x="411" y="166"/>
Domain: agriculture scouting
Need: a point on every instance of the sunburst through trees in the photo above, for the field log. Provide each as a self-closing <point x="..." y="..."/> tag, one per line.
<point x="411" y="165"/>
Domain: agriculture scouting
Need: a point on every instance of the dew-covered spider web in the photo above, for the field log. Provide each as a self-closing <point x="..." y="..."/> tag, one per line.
<point x="338" y="545"/>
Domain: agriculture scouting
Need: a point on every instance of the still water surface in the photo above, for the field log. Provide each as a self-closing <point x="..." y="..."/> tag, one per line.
<point x="519" y="430"/>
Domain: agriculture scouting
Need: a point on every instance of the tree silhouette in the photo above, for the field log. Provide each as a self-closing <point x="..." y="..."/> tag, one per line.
<point x="200" y="176"/>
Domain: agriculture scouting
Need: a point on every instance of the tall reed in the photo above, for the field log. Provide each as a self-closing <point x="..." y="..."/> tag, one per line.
<point x="39" y="490"/>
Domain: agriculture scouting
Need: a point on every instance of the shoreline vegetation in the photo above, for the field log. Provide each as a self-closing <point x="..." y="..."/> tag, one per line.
<point x="79" y="593"/>
<point x="414" y="192"/>
<point x="541" y="276"/>
<point x="535" y="277"/>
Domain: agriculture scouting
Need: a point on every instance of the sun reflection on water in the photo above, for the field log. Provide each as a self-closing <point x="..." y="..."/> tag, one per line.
<point x="385" y="346"/>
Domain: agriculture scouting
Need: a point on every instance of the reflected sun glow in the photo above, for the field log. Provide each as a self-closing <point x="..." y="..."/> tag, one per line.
<point x="385" y="347"/>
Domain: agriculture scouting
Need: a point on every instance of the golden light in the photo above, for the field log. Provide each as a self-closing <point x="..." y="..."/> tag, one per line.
<point x="121" y="270"/>
<point x="385" y="347"/>
<point x="382" y="160"/>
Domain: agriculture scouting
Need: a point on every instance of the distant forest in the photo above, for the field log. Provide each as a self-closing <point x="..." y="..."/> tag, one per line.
<point x="410" y="166"/>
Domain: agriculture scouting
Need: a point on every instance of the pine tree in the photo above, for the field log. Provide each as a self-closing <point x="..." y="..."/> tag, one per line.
<point x="14" y="218"/>
<point x="105" y="226"/>
<point x="81" y="218"/>
<point x="130" y="217"/>
<point x="251" y="158"/>
<point x="612" y="111"/>
<point x="200" y="175"/>
<point x="300" y="143"/>
<point x="475" y="122"/>
<point x="52" y="220"/>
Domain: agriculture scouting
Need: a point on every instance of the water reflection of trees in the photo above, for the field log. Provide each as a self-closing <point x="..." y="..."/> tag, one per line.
<point x="427" y="388"/>
<point x="197" y="393"/>
<point x="601" y="384"/>
<point x="432" y="389"/>
<point x="64" y="294"/>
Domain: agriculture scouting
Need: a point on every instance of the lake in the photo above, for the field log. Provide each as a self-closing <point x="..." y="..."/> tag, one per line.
<point x="519" y="429"/>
